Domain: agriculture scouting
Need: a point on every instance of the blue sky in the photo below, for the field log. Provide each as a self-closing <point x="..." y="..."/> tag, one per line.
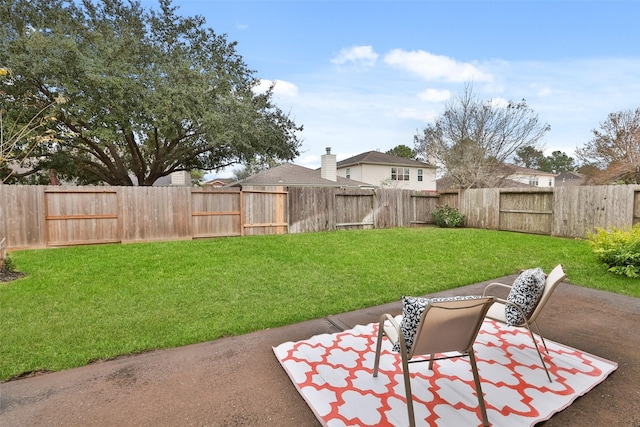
<point x="368" y="75"/>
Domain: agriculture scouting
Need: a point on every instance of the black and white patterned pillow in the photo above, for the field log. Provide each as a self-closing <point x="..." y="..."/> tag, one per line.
<point x="525" y="292"/>
<point x="412" y="309"/>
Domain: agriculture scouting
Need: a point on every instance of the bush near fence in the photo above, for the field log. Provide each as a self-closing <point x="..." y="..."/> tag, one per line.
<point x="46" y="216"/>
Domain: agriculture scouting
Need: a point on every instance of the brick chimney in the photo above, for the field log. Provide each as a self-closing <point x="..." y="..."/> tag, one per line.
<point x="328" y="167"/>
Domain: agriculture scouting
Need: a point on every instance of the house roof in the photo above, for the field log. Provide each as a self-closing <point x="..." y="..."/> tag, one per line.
<point x="376" y="157"/>
<point x="570" y="178"/>
<point x="219" y="181"/>
<point x="446" y="183"/>
<point x="292" y="175"/>
<point x="519" y="170"/>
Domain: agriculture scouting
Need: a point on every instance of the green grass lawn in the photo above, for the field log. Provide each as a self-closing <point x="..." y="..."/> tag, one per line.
<point x="81" y="304"/>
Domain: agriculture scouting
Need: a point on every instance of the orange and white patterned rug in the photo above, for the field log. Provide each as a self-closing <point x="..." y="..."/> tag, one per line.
<point x="334" y="374"/>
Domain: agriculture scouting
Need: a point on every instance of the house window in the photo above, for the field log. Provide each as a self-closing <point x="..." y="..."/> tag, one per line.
<point x="533" y="180"/>
<point x="400" y="174"/>
<point x="348" y="171"/>
<point x="419" y="175"/>
<point x="550" y="182"/>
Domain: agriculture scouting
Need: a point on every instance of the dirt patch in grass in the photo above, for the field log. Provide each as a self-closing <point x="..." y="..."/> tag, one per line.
<point x="8" y="276"/>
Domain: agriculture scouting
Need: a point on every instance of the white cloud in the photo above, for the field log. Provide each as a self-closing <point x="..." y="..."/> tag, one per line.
<point x="499" y="102"/>
<point x="281" y="88"/>
<point x="361" y="55"/>
<point x="435" y="95"/>
<point x="435" y="67"/>
<point x="544" y="91"/>
<point x="416" y="114"/>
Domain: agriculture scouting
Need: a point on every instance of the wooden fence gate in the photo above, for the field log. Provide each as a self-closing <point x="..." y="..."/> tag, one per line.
<point x="81" y="217"/>
<point x="354" y="210"/>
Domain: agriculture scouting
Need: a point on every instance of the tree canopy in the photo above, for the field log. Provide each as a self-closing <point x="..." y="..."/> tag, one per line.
<point x="472" y="139"/>
<point x="147" y="92"/>
<point x="613" y="154"/>
<point x="532" y="158"/>
<point x="403" y="151"/>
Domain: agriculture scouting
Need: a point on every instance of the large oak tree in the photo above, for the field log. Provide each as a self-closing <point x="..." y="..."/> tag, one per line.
<point x="148" y="92"/>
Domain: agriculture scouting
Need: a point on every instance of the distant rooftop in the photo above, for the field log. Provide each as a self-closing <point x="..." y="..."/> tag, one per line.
<point x="292" y="175"/>
<point x="376" y="157"/>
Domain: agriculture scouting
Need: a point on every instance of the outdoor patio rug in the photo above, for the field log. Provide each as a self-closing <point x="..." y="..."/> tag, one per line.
<point x="333" y="373"/>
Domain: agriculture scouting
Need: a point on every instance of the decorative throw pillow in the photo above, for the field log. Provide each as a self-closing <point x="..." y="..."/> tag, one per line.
<point x="412" y="309"/>
<point x="525" y="292"/>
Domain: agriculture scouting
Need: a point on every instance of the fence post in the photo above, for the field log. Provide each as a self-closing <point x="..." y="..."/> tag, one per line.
<point x="2" y="253"/>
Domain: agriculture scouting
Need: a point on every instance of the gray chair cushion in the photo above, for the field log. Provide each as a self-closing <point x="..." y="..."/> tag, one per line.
<point x="525" y="292"/>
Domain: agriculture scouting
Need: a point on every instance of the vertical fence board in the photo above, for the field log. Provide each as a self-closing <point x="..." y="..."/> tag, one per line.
<point x="480" y="207"/>
<point x="636" y="206"/>
<point x="450" y="198"/>
<point x="526" y="210"/>
<point x="422" y="205"/>
<point x="387" y="209"/>
<point x="156" y="213"/>
<point x="581" y="210"/>
<point x="265" y="210"/>
<point x="216" y="213"/>
<point x="354" y="209"/>
<point x="81" y="216"/>
<point x="22" y="216"/>
<point x="311" y="209"/>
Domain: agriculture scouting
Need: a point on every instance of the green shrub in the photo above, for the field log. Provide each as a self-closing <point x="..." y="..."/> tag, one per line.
<point x="447" y="217"/>
<point x="7" y="263"/>
<point x="618" y="249"/>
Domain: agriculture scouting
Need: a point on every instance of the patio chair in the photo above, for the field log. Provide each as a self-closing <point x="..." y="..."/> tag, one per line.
<point x="444" y="325"/>
<point x="527" y="318"/>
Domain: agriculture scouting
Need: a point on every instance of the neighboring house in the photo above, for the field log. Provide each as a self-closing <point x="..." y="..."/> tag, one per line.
<point x="570" y="179"/>
<point x="217" y="182"/>
<point x="386" y="170"/>
<point x="532" y="177"/>
<point x="512" y="176"/>
<point x="174" y="179"/>
<point x="446" y="183"/>
<point x="290" y="175"/>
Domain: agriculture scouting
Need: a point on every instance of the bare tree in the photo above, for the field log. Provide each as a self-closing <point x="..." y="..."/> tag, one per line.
<point x="613" y="154"/>
<point x="473" y="139"/>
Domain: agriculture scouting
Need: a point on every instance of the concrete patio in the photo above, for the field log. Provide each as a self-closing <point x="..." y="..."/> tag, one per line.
<point x="237" y="381"/>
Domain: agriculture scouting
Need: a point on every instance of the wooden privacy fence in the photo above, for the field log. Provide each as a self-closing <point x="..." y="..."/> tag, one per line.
<point x="564" y="211"/>
<point x="42" y="216"/>
<point x="313" y="209"/>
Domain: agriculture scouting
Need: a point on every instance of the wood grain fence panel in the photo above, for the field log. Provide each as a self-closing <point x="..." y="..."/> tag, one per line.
<point x="265" y="210"/>
<point x="636" y="206"/>
<point x="156" y="213"/>
<point x="22" y="216"/>
<point x="354" y="209"/>
<point x="526" y="210"/>
<point x="216" y="213"/>
<point x="480" y="207"/>
<point x="311" y="209"/>
<point x="581" y="210"/>
<point x="388" y="207"/>
<point x="405" y="211"/>
<point x="422" y="205"/>
<point x="450" y="198"/>
<point x="81" y="216"/>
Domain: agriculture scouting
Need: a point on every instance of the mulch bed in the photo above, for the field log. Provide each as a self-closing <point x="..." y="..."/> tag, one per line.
<point x="8" y="276"/>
